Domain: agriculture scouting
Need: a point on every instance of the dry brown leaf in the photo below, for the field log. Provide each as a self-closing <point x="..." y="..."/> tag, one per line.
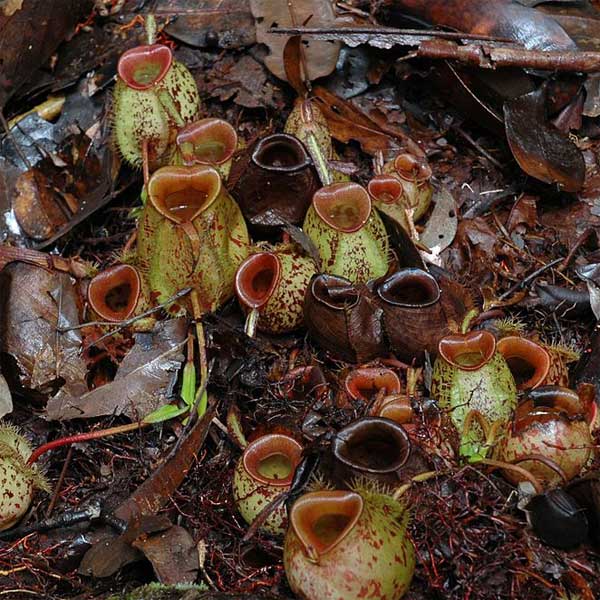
<point x="173" y="555"/>
<point x="442" y="224"/>
<point x="35" y="301"/>
<point x="141" y="384"/>
<point x="6" y="403"/>
<point x="321" y="57"/>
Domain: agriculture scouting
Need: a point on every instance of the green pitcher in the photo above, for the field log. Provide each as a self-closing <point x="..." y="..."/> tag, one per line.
<point x="349" y="235"/>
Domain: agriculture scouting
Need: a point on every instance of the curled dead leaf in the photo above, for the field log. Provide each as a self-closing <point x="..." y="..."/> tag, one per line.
<point x="37" y="207"/>
<point x="541" y="150"/>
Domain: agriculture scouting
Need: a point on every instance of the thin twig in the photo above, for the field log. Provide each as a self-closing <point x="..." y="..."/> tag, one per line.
<point x="529" y="278"/>
<point x="11" y="137"/>
<point x="582" y="239"/>
<point x="126" y="322"/>
<point x="478" y="147"/>
<point x="59" y="483"/>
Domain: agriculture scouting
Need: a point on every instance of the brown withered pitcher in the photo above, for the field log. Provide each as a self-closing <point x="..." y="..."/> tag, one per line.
<point x="344" y="319"/>
<point x="273" y="181"/>
<point x="370" y="447"/>
<point x="418" y="311"/>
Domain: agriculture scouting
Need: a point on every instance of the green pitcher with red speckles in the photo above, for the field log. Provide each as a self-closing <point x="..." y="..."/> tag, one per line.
<point x="264" y="471"/>
<point x="348" y="544"/>
<point x="471" y="378"/>
<point x="349" y="235"/>
<point x="271" y="286"/>
<point x="191" y="234"/>
<point x="154" y="96"/>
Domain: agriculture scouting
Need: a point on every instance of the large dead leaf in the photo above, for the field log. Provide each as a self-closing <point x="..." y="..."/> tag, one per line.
<point x="156" y="491"/>
<point x="346" y="122"/>
<point x="6" y="404"/>
<point x="74" y="171"/>
<point x="505" y="19"/>
<point x="541" y="150"/>
<point x="142" y="383"/>
<point x="242" y="79"/>
<point x="33" y="303"/>
<point x="221" y="23"/>
<point x="31" y="32"/>
<point x="321" y="57"/>
<point x="173" y="554"/>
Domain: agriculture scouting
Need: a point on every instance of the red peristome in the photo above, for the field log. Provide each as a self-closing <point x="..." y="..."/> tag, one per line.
<point x="207" y="142"/>
<point x="321" y="520"/>
<point x="344" y="206"/>
<point x="528" y="361"/>
<point x="364" y="382"/>
<point x="114" y="293"/>
<point x="385" y="188"/>
<point x="144" y="66"/>
<point x="182" y="193"/>
<point x="274" y="445"/>
<point x="468" y="352"/>
<point x="412" y="168"/>
<point x="256" y="279"/>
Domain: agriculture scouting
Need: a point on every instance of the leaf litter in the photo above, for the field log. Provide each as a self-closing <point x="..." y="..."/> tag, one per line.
<point x="167" y="488"/>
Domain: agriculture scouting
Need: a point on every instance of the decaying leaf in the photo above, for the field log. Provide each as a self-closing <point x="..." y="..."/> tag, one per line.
<point x="242" y="79"/>
<point x="34" y="303"/>
<point x="155" y="492"/>
<point x="6" y="404"/>
<point x="142" y="383"/>
<point x="523" y="212"/>
<point x="442" y="224"/>
<point x="321" y="57"/>
<point x="36" y="206"/>
<point x="221" y="23"/>
<point x="31" y="31"/>
<point x="346" y="122"/>
<point x="541" y="150"/>
<point x="54" y="174"/>
<point x="173" y="554"/>
<point x="107" y="556"/>
<point x="502" y="18"/>
<point x="591" y="275"/>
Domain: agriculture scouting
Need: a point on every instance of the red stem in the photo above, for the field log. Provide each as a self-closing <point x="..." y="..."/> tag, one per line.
<point x="83" y="437"/>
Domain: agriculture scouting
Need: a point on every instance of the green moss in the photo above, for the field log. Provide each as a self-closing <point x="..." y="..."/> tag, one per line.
<point x="158" y="591"/>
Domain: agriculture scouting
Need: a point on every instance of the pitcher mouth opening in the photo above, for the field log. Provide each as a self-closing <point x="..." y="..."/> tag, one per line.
<point x="372" y="445"/>
<point x="207" y="142"/>
<point x="412" y="168"/>
<point x="552" y="398"/>
<point x="385" y="189"/>
<point x="182" y="193"/>
<point x="272" y="459"/>
<point x="322" y="520"/>
<point x="281" y="152"/>
<point x="468" y="352"/>
<point x="365" y="383"/>
<point x="257" y="278"/>
<point x="345" y="207"/>
<point x="145" y="66"/>
<point x="410" y="288"/>
<point x="528" y="362"/>
<point x="114" y="293"/>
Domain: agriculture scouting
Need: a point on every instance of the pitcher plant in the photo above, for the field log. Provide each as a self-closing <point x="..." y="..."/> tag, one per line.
<point x="349" y="235"/>
<point x="154" y="96"/>
<point x="271" y="286"/>
<point x="470" y="377"/>
<point x="191" y="234"/>
<point x="341" y="543"/>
